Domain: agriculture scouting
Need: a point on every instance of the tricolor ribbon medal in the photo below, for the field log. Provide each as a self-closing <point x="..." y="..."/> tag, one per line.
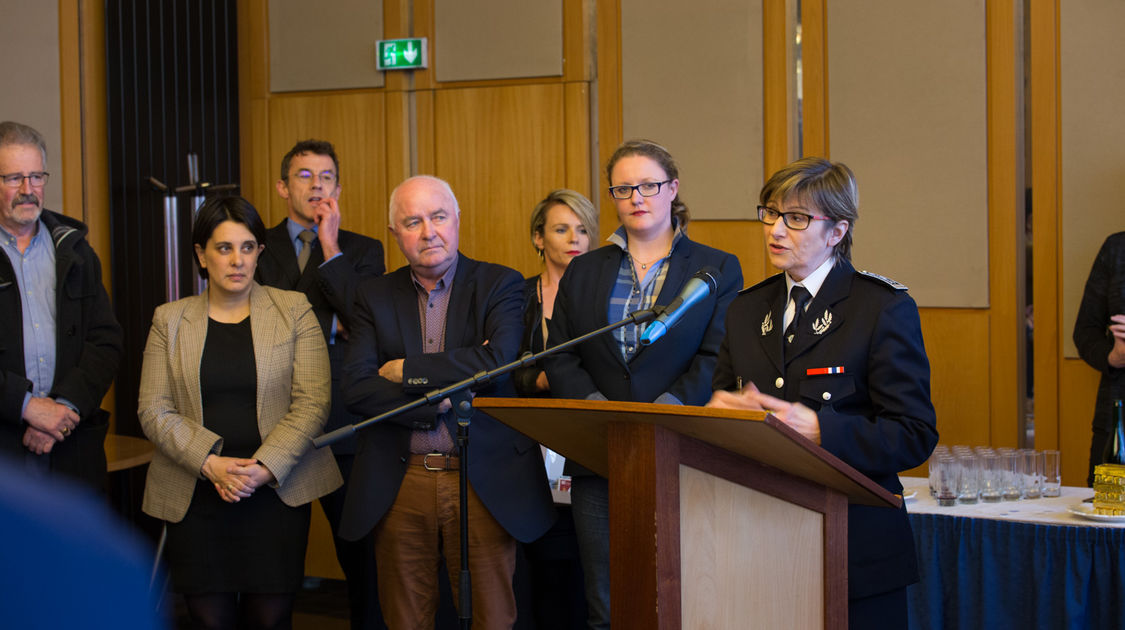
<point x="824" y="370"/>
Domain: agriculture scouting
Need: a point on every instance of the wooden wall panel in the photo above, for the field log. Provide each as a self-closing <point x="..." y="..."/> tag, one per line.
<point x="741" y="238"/>
<point x="84" y="182"/>
<point x="1007" y="269"/>
<point x="1078" y="387"/>
<point x="501" y="149"/>
<point x="957" y="344"/>
<point x="1046" y="224"/>
<point x="354" y="123"/>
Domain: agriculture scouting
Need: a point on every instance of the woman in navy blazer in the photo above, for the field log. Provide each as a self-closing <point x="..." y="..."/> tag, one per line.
<point x="648" y="262"/>
<point x="838" y="355"/>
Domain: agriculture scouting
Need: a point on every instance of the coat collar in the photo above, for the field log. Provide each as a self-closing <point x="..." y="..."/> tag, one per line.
<point x="820" y="320"/>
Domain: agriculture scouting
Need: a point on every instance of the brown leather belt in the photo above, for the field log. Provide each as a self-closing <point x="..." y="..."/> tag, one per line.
<point x="435" y="461"/>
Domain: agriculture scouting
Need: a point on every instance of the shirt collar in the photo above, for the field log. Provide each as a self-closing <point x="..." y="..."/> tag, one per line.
<point x="443" y="282"/>
<point x="620" y="237"/>
<point x="296" y="228"/>
<point x="814" y="279"/>
<point x="40" y="230"/>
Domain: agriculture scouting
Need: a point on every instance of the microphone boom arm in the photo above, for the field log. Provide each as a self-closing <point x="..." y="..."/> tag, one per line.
<point x="481" y="379"/>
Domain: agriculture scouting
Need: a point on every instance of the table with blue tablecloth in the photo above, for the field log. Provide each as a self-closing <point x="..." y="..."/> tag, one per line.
<point x="1015" y="564"/>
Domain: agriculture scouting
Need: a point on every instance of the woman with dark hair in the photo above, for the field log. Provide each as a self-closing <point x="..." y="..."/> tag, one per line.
<point x="836" y="354"/>
<point x="234" y="386"/>
<point x="648" y="262"/>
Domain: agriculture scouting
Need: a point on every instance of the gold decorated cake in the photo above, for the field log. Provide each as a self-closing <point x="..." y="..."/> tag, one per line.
<point x="1109" y="489"/>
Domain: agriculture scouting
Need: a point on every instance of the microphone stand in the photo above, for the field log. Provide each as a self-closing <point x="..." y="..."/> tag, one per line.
<point x="459" y="395"/>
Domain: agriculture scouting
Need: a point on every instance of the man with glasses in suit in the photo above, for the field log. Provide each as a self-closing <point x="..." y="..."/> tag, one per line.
<point x="308" y="252"/>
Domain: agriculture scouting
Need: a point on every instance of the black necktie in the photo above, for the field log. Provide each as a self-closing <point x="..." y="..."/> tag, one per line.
<point x="800" y="296"/>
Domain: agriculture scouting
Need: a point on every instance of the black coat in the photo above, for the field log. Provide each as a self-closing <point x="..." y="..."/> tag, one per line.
<point x="1104" y="297"/>
<point x="87" y="352"/>
<point x="876" y="416"/>
<point x="505" y="467"/>
<point x="679" y="363"/>
<point x="331" y="290"/>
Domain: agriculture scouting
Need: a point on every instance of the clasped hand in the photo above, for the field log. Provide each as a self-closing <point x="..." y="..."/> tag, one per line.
<point x="49" y="422"/>
<point x="796" y="415"/>
<point x="235" y="478"/>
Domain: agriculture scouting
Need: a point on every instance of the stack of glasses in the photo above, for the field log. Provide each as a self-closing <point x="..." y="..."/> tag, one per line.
<point x="966" y="474"/>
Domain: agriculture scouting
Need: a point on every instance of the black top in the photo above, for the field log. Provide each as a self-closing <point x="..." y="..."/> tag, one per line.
<point x="1103" y="297"/>
<point x="524" y="378"/>
<point x="228" y="382"/>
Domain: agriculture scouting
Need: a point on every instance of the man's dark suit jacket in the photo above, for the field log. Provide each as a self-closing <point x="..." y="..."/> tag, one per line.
<point x="876" y="415"/>
<point x="505" y="467"/>
<point x="87" y="352"/>
<point x="680" y="363"/>
<point x="331" y="291"/>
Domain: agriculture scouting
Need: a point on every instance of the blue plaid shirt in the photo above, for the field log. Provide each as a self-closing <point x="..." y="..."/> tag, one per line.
<point x="630" y="294"/>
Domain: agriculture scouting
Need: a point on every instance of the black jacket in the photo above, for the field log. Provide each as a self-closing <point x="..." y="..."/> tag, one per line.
<point x="331" y="290"/>
<point x="876" y="415"/>
<point x="505" y="467"/>
<point x="87" y="353"/>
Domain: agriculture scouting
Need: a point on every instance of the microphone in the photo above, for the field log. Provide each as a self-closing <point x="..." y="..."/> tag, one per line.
<point x="702" y="284"/>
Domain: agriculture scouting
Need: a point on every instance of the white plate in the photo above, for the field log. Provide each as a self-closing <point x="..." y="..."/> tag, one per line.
<point x="910" y="495"/>
<point x="1086" y="510"/>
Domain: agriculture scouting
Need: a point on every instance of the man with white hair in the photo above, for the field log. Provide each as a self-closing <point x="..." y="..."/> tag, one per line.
<point x="442" y="318"/>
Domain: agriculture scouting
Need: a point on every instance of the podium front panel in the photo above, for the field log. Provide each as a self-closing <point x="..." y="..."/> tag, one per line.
<point x="748" y="559"/>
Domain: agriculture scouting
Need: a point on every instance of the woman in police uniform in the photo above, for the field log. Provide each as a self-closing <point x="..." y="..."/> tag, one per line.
<point x="837" y="354"/>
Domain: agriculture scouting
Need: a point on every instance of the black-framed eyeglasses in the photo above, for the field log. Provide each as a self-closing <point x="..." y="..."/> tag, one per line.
<point x="793" y="220"/>
<point x="327" y="178"/>
<point x="14" y="180"/>
<point x="647" y="189"/>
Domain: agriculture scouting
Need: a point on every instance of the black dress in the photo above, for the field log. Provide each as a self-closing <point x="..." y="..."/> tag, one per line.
<point x="258" y="544"/>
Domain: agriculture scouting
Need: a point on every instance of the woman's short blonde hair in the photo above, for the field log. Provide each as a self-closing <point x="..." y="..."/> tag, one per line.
<point x="576" y="201"/>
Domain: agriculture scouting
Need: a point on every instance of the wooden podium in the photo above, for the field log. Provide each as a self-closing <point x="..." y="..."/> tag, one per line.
<point x="718" y="518"/>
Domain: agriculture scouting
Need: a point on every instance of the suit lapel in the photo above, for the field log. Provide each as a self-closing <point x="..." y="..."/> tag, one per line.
<point x="264" y="328"/>
<point x="191" y="335"/>
<point x="820" y="320"/>
<point x="674" y="279"/>
<point x="460" y="301"/>
<point x="766" y="319"/>
<point x="604" y="287"/>
<point x="406" y="312"/>
<point x="281" y="249"/>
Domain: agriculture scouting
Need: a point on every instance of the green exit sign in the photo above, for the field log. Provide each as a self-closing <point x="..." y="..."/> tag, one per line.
<point x="400" y="54"/>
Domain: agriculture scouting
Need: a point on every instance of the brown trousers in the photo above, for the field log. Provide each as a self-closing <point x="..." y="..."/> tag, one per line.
<point x="421" y="527"/>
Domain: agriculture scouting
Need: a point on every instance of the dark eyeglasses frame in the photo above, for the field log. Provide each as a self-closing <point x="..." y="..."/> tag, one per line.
<point x="784" y="216"/>
<point x="636" y="188"/>
<point x="15" y="180"/>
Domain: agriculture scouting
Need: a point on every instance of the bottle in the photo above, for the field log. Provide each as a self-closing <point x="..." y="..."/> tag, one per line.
<point x="1114" y="452"/>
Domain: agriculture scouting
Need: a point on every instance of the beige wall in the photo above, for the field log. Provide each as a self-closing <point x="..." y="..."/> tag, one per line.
<point x="907" y="112"/>
<point x="1093" y="142"/>
<point x="29" y="40"/>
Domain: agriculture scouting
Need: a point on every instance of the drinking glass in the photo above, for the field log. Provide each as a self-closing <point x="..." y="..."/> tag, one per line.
<point x="948" y="480"/>
<point x="1052" y="479"/>
<point x="968" y="490"/>
<point x="991" y="486"/>
<point x="1031" y="475"/>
